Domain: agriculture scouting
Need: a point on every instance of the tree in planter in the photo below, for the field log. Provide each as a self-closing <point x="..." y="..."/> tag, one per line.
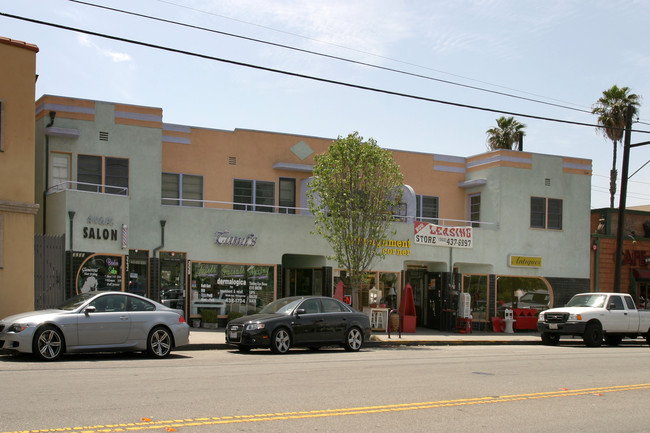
<point x="353" y="193"/>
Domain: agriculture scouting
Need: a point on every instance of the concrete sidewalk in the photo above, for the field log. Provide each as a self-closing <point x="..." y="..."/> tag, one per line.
<point x="211" y="339"/>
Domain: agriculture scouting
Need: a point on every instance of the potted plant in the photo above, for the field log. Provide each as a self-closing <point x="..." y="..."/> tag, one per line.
<point x="209" y="318"/>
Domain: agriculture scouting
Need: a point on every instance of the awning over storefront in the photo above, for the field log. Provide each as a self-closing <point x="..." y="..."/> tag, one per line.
<point x="641" y="274"/>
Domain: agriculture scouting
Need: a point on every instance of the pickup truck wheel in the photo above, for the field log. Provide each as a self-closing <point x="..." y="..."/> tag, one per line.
<point x="550" y="339"/>
<point x="613" y="340"/>
<point x="593" y="336"/>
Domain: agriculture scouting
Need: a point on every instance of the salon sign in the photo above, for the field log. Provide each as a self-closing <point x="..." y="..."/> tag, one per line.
<point x="443" y="236"/>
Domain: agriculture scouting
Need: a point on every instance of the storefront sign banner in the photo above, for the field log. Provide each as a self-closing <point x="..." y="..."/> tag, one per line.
<point x="525" y="261"/>
<point x="443" y="236"/>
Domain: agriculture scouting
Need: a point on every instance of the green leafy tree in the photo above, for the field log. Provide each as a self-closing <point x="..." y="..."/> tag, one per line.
<point x="612" y="108"/>
<point x="353" y="194"/>
<point x="506" y="135"/>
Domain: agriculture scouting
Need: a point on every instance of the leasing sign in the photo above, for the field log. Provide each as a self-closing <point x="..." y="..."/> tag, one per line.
<point x="443" y="236"/>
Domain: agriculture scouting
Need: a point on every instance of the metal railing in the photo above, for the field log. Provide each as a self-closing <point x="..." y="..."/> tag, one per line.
<point x="72" y="185"/>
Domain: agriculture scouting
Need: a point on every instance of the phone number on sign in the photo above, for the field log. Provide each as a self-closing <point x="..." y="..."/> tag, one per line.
<point x="435" y="240"/>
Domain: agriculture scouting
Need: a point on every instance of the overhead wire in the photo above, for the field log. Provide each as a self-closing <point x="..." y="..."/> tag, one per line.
<point x="299" y="75"/>
<point x="394" y="60"/>
<point x="316" y="53"/>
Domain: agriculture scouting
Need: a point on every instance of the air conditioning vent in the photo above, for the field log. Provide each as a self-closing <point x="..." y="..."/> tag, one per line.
<point x="547" y="182"/>
<point x="232" y="160"/>
<point x="103" y="136"/>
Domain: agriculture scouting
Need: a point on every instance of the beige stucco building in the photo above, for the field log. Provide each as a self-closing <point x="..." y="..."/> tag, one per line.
<point x="17" y="205"/>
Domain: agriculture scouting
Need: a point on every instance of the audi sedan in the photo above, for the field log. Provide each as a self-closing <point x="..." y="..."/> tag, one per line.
<point x="96" y="322"/>
<point x="307" y="321"/>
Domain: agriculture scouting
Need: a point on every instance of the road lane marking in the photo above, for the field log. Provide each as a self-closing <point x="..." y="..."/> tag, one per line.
<point x="324" y="413"/>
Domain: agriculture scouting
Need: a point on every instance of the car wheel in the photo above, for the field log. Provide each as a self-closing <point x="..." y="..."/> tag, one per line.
<point x="613" y="340"/>
<point x="280" y="341"/>
<point x="48" y="343"/>
<point x="159" y="342"/>
<point x="550" y="339"/>
<point x="593" y="336"/>
<point x="353" y="340"/>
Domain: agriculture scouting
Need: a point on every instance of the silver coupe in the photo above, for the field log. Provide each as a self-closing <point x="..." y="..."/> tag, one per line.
<point x="96" y="322"/>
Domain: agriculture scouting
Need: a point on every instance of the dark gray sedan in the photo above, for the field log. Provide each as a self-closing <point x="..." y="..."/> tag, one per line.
<point x="307" y="321"/>
<point x="96" y="322"/>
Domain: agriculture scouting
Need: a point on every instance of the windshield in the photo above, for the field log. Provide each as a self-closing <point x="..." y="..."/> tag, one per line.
<point x="281" y="306"/>
<point x="595" y="301"/>
<point x="75" y="302"/>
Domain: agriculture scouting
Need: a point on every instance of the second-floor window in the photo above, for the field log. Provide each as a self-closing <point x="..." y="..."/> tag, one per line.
<point x="475" y="209"/>
<point x="253" y="195"/>
<point x="545" y="213"/>
<point x="287" y="193"/>
<point x="427" y="208"/>
<point x="182" y="190"/>
<point x="103" y="174"/>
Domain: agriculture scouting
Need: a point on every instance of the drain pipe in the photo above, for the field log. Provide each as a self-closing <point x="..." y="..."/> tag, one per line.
<point x="162" y="237"/>
<point x="47" y="170"/>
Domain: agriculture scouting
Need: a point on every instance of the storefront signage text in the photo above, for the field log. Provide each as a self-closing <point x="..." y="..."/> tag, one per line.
<point x="392" y="247"/>
<point x="101" y="233"/>
<point x="525" y="261"/>
<point x="224" y="238"/>
<point x="443" y="236"/>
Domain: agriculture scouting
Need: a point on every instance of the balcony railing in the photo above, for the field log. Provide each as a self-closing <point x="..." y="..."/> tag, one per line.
<point x="88" y="187"/>
<point x="248" y="207"/>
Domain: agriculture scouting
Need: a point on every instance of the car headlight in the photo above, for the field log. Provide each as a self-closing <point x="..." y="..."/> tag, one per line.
<point x="574" y="317"/>
<point x="17" y="327"/>
<point x="541" y="317"/>
<point x="254" y="326"/>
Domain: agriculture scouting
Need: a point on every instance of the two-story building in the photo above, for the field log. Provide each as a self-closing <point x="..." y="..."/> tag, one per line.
<point x="17" y="206"/>
<point x="212" y="219"/>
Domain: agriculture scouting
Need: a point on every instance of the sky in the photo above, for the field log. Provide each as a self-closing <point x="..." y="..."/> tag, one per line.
<point x="422" y="76"/>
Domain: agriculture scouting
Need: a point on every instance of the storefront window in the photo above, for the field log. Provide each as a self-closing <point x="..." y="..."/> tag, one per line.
<point x="100" y="272"/>
<point x="518" y="292"/>
<point x="222" y="289"/>
<point x="476" y="286"/>
<point x="137" y="272"/>
<point x="172" y="274"/>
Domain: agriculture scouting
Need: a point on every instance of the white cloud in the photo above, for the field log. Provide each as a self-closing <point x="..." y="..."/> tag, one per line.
<point x="116" y="57"/>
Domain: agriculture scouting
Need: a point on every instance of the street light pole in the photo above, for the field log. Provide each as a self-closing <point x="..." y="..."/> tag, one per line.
<point x="622" y="202"/>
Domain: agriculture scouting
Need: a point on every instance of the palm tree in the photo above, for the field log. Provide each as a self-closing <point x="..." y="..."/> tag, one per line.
<point x="612" y="109"/>
<point x="507" y="135"/>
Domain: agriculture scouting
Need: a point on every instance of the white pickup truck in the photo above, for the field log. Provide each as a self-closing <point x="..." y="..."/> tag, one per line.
<point x="594" y="316"/>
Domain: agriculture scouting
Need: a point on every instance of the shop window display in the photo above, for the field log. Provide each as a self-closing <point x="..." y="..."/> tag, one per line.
<point x="226" y="289"/>
<point x="477" y="287"/>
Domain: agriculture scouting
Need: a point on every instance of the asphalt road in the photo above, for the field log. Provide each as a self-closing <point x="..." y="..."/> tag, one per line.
<point x="416" y="389"/>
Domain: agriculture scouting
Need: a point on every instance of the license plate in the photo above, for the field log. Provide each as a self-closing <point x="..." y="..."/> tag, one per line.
<point x="552" y="326"/>
<point x="233" y="335"/>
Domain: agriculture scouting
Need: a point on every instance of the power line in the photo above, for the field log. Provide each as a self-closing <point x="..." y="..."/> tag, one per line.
<point x="315" y="53"/>
<point x="394" y="60"/>
<point x="298" y="75"/>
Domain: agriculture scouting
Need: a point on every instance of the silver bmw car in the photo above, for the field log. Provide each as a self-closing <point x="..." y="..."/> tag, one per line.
<point x="96" y="322"/>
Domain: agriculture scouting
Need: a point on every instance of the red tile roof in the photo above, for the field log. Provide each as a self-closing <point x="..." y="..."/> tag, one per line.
<point x="20" y="44"/>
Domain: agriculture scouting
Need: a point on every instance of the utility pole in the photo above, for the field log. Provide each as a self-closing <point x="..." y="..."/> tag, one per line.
<point x="622" y="202"/>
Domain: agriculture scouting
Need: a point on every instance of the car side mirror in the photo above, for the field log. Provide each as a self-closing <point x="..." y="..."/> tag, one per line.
<point x="611" y="306"/>
<point x="90" y="309"/>
<point x="300" y="311"/>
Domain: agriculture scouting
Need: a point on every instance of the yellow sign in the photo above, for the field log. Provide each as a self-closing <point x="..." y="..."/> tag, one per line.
<point x="526" y="261"/>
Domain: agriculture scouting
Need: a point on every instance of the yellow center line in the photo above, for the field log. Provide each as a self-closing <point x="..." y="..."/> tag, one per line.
<point x="203" y="421"/>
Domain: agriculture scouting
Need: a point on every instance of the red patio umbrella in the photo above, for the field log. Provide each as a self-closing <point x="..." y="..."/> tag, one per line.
<point x="339" y="293"/>
<point x="407" y="310"/>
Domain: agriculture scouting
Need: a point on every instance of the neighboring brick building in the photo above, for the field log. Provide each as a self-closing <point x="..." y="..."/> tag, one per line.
<point x="635" y="273"/>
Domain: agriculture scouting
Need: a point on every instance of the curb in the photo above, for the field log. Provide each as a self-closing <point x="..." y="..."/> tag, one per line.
<point x="383" y="344"/>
